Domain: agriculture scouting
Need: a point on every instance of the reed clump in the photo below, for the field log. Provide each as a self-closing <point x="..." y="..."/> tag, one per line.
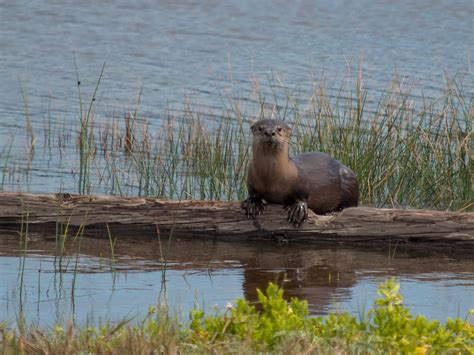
<point x="407" y="151"/>
<point x="280" y="327"/>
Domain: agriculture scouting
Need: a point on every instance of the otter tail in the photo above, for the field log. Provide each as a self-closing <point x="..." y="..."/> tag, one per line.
<point x="349" y="187"/>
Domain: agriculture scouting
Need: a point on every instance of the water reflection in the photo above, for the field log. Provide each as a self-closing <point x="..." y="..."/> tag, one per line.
<point x="88" y="285"/>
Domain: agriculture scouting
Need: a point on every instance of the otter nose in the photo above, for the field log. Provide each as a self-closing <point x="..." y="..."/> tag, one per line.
<point x="270" y="133"/>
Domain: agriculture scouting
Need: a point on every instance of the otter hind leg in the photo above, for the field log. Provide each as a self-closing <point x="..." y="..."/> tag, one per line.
<point x="349" y="189"/>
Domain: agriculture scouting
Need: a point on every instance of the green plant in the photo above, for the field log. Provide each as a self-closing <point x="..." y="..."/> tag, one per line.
<point x="276" y="325"/>
<point x="388" y="325"/>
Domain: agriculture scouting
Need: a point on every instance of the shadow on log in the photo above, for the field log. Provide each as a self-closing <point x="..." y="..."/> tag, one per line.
<point x="48" y="214"/>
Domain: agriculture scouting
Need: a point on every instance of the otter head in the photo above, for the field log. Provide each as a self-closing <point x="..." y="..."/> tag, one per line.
<point x="270" y="136"/>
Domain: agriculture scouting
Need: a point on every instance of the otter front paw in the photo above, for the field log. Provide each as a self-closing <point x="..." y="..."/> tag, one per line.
<point x="297" y="213"/>
<point x="253" y="206"/>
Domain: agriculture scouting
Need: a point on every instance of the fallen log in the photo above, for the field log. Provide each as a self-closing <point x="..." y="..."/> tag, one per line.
<point x="104" y="216"/>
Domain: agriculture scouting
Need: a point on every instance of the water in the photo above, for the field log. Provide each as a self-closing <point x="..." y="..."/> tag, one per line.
<point x="49" y="289"/>
<point x="205" y="51"/>
<point x="207" y="46"/>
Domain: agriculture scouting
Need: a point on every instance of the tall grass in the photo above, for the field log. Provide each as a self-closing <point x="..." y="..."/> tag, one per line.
<point x="85" y="139"/>
<point x="406" y="150"/>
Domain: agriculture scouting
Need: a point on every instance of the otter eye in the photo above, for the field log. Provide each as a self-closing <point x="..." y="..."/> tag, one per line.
<point x="279" y="129"/>
<point x="260" y="128"/>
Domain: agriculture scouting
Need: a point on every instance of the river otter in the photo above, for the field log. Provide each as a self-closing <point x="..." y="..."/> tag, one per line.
<point x="313" y="180"/>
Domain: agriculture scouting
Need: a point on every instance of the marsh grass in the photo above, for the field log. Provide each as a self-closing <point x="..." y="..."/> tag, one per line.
<point x="5" y="154"/>
<point x="406" y="150"/>
<point x="85" y="139"/>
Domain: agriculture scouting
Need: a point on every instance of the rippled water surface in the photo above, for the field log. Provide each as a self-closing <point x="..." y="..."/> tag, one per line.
<point x="89" y="286"/>
<point x="179" y="46"/>
<point x="175" y="52"/>
<point x="206" y="51"/>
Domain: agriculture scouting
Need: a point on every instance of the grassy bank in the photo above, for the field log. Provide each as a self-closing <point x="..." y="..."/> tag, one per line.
<point x="406" y="150"/>
<point x="278" y="326"/>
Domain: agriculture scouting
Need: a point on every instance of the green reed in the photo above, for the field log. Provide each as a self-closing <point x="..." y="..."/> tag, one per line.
<point x="5" y="155"/>
<point x="403" y="154"/>
<point x="406" y="150"/>
<point x="28" y="124"/>
<point x="85" y="139"/>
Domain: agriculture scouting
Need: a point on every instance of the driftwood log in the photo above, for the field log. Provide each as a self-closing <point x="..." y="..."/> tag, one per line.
<point x="104" y="216"/>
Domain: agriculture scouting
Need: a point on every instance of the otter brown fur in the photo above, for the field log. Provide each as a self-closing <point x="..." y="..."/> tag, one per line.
<point x="313" y="180"/>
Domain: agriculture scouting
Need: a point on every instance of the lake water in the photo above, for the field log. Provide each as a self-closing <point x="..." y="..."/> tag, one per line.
<point x="48" y="288"/>
<point x="206" y="52"/>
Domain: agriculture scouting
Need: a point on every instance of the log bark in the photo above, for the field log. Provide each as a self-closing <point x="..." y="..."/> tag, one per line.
<point x="50" y="215"/>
